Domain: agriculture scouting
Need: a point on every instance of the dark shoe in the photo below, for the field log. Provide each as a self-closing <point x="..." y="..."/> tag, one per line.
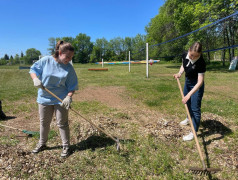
<point x="65" y="152"/>
<point x="2" y="115"/>
<point x="39" y="148"/>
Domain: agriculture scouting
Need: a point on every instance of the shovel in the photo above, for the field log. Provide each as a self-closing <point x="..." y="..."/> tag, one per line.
<point x="197" y="170"/>
<point x="110" y="136"/>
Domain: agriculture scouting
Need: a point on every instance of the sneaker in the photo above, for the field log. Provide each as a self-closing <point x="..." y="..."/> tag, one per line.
<point x="65" y="151"/>
<point x="188" y="137"/>
<point x="39" y="148"/>
<point x="184" y="122"/>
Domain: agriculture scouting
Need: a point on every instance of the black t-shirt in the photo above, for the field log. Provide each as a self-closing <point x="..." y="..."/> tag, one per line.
<point x="192" y="70"/>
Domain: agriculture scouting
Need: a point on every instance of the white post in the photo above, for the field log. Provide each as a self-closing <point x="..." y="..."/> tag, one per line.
<point x="147" y="61"/>
<point x="129" y="61"/>
<point x="102" y="62"/>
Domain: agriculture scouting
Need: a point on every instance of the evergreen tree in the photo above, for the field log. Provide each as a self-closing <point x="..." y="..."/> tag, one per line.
<point x="6" y="57"/>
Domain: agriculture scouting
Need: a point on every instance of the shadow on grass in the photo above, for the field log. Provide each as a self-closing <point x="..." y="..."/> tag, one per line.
<point x="8" y="118"/>
<point x="209" y="174"/>
<point x="95" y="141"/>
<point x="211" y="127"/>
<point x="173" y="67"/>
<point x="92" y="143"/>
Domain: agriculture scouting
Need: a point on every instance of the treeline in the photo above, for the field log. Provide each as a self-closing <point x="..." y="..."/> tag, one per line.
<point x="175" y="18"/>
<point x="179" y="17"/>
<point x="87" y="51"/>
<point x="114" y="50"/>
<point x="31" y="55"/>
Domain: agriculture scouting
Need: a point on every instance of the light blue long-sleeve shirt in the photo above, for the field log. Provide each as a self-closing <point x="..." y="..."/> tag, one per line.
<point x="59" y="78"/>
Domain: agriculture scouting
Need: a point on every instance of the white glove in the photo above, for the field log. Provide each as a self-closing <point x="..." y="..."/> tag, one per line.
<point x="37" y="83"/>
<point x="66" y="102"/>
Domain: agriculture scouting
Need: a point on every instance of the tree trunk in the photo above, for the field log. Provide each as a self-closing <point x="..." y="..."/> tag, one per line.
<point x="232" y="34"/>
<point x="223" y="51"/>
<point x="228" y="43"/>
<point x="209" y="57"/>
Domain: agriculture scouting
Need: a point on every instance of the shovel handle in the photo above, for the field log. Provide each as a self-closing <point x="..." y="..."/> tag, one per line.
<point x="192" y="127"/>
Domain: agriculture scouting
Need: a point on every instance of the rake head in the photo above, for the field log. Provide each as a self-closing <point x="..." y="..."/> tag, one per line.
<point x="201" y="171"/>
<point x="30" y="133"/>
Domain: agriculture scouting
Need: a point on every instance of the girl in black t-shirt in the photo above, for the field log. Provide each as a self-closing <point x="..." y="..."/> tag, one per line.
<point x="194" y="67"/>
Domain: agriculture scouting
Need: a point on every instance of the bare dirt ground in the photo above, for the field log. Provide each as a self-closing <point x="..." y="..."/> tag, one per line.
<point x="129" y="115"/>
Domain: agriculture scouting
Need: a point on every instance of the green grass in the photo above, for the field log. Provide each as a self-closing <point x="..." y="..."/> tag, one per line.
<point x="9" y="140"/>
<point x="87" y="107"/>
<point x="159" y="91"/>
<point x="143" y="157"/>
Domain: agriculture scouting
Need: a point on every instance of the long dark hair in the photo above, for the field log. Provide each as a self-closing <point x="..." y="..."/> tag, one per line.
<point x="63" y="47"/>
<point x="196" y="47"/>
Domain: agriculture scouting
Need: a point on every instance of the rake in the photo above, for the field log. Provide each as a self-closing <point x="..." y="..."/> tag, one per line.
<point x="30" y="133"/>
<point x="197" y="170"/>
<point x="110" y="136"/>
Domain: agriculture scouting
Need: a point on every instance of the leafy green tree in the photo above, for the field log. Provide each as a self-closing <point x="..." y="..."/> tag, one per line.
<point x="83" y="48"/>
<point x="139" y="47"/>
<point x="117" y="45"/>
<point x="100" y="49"/>
<point x="3" y="61"/>
<point x="17" y="59"/>
<point x="178" y="17"/>
<point x="128" y="43"/>
<point x="32" y="54"/>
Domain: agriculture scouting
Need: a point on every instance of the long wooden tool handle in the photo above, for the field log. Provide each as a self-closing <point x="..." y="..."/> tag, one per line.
<point x="192" y="127"/>
<point x="11" y="127"/>
<point x="81" y="115"/>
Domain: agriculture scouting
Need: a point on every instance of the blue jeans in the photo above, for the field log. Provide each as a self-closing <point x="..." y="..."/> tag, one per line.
<point x="194" y="103"/>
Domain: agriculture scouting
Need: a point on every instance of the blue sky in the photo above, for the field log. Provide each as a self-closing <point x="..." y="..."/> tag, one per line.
<point x="29" y="23"/>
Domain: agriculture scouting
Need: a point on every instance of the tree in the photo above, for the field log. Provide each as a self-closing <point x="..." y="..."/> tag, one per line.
<point x="138" y="50"/>
<point x="117" y="45"/>
<point x="6" y="57"/>
<point x="17" y="59"/>
<point x="52" y="44"/>
<point x="128" y="46"/>
<point x="32" y="54"/>
<point x="99" y="51"/>
<point x="83" y="48"/>
<point x="178" y="17"/>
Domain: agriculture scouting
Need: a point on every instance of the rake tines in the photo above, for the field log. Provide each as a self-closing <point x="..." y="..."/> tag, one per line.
<point x="196" y="170"/>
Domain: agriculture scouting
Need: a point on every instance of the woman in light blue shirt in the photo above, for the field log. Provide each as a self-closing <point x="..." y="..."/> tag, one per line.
<point x="58" y="75"/>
